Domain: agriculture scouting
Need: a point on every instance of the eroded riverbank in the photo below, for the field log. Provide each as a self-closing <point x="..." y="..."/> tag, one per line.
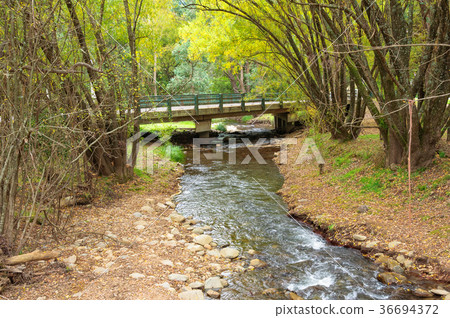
<point x="340" y="207"/>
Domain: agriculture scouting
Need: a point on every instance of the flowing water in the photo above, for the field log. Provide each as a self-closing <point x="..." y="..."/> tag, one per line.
<point x="239" y="201"/>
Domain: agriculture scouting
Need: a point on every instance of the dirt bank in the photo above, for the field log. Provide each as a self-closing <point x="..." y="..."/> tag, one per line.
<point x="357" y="203"/>
<point x="124" y="247"/>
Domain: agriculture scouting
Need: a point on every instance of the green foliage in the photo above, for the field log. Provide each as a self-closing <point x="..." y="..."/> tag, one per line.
<point x="171" y="152"/>
<point x="351" y="174"/>
<point x="371" y="184"/>
<point x="166" y="129"/>
<point x="246" y="119"/>
<point x="343" y="161"/>
<point x="220" y="127"/>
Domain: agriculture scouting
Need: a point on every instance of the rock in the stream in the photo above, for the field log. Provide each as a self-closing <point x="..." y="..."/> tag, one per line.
<point x="213" y="283"/>
<point x="224" y="282"/>
<point x="229" y="252"/>
<point x="178" y="218"/>
<point x="140" y="227"/>
<point x="137" y="215"/>
<point x="195" y="294"/>
<point x="213" y="294"/>
<point x="203" y="239"/>
<point x="175" y="231"/>
<point x="196" y="285"/>
<point x="252" y="252"/>
<point x="269" y="291"/>
<point x="137" y="275"/>
<point x="294" y="296"/>
<point x="419" y="292"/>
<point x="258" y="263"/>
<point x="358" y="237"/>
<point x="440" y="292"/>
<point x="391" y="278"/>
<point x="178" y="277"/>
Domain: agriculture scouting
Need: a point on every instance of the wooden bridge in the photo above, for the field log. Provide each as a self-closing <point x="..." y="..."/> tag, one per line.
<point x="204" y="107"/>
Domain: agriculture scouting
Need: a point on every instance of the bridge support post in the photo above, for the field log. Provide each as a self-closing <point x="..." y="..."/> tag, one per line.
<point x="282" y="123"/>
<point x="203" y="128"/>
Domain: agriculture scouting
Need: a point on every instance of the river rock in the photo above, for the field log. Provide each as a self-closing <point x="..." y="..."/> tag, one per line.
<point x="206" y="228"/>
<point x="440" y="292"/>
<point x="252" y="252"/>
<point x="100" y="245"/>
<point x="363" y="209"/>
<point x="178" y="218"/>
<point x="393" y="244"/>
<point x="224" y="282"/>
<point x="170" y="204"/>
<point x="185" y="288"/>
<point x="137" y="275"/>
<point x="195" y="294"/>
<point x="147" y="209"/>
<point x="213" y="283"/>
<point x="294" y="296"/>
<point x="358" y="237"/>
<point x="203" y="239"/>
<point x="419" y="292"/>
<point x="167" y="262"/>
<point x="141" y="222"/>
<point x="194" y="248"/>
<point x="391" y="278"/>
<point x="196" y="285"/>
<point x="70" y="261"/>
<point x="387" y="262"/>
<point x="408" y="263"/>
<point x="99" y="270"/>
<point x="137" y="215"/>
<point x="140" y="227"/>
<point x="175" y="231"/>
<point x="214" y="253"/>
<point x="198" y="230"/>
<point x="229" y="252"/>
<point x="161" y="206"/>
<point x="401" y="259"/>
<point x="213" y="294"/>
<point x="178" y="277"/>
<point x="447" y="297"/>
<point x="269" y="291"/>
<point x="258" y="263"/>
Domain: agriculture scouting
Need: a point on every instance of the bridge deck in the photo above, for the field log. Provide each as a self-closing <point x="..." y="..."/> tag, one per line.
<point x="209" y="111"/>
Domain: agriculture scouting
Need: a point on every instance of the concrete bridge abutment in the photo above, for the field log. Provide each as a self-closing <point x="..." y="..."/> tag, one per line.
<point x="203" y="128"/>
<point x="282" y="123"/>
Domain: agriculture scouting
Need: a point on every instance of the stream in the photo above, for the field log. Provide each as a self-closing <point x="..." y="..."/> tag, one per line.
<point x="240" y="203"/>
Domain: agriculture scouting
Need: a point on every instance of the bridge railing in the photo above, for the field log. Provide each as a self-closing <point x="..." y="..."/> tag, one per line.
<point x="171" y="101"/>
